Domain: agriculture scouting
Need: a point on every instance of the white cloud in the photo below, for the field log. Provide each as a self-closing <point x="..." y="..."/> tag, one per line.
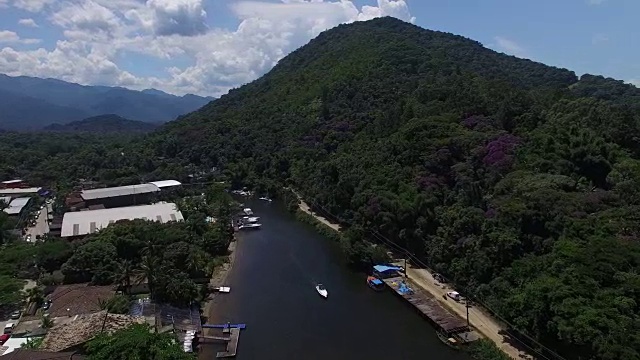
<point x="510" y="47"/>
<point x="635" y="82"/>
<point x="595" y="2"/>
<point x="7" y="36"/>
<point x="28" y="22"/>
<point x="32" y="5"/>
<point x="98" y="32"/>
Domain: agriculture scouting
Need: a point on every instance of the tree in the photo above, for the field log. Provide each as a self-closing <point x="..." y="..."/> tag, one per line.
<point x="136" y="342"/>
<point x="10" y="290"/>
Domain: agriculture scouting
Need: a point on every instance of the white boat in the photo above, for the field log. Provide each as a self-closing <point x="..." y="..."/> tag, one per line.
<point x="264" y="198"/>
<point x="247" y="211"/>
<point x="322" y="290"/>
<point x="250" y="219"/>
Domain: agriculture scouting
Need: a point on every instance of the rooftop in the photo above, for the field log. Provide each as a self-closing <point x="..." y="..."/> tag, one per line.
<point x="166" y="183"/>
<point x="104" y="193"/>
<point x="77" y="299"/>
<point x="16" y="205"/>
<point x="84" y="328"/>
<point x="26" y="354"/>
<point x="8" y="182"/>
<point x="86" y="222"/>
<point x="5" y="199"/>
<point x="32" y="190"/>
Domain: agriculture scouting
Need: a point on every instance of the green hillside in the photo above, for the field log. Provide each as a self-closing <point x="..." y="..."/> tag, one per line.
<point x="516" y="180"/>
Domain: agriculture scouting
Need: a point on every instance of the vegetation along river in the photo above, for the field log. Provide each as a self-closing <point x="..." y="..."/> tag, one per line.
<point x="272" y="291"/>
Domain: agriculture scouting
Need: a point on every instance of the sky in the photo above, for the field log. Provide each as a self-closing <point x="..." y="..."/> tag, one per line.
<point x="207" y="47"/>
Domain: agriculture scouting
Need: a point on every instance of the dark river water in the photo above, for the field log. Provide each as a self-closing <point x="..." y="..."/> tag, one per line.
<point x="272" y="291"/>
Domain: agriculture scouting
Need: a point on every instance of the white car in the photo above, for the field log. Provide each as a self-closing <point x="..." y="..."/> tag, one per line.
<point x="454" y="295"/>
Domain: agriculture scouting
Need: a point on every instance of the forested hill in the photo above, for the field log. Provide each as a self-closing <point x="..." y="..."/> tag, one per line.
<point x="514" y="179"/>
<point x="109" y="123"/>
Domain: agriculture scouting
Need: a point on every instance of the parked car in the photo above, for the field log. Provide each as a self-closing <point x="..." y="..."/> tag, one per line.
<point x="4" y="338"/>
<point x="16" y="315"/>
<point x="47" y="304"/>
<point x="8" y="329"/>
<point x="454" y="295"/>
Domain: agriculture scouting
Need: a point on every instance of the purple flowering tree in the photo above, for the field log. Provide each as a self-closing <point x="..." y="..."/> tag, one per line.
<point x="500" y="152"/>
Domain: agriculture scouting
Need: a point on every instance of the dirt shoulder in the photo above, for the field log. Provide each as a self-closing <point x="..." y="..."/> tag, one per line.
<point x="479" y="318"/>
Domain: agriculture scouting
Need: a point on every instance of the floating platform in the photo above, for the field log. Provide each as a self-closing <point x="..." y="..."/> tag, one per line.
<point x="428" y="306"/>
<point x="224" y="326"/>
<point x="232" y="344"/>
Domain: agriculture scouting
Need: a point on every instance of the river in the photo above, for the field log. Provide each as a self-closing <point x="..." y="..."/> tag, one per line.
<point x="272" y="291"/>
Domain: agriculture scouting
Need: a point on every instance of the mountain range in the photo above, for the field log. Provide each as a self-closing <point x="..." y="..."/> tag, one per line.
<point x="29" y="103"/>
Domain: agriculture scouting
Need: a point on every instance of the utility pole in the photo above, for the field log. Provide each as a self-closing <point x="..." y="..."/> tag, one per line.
<point x="467" y="306"/>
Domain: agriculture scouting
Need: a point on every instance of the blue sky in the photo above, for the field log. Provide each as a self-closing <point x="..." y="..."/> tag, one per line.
<point x="209" y="46"/>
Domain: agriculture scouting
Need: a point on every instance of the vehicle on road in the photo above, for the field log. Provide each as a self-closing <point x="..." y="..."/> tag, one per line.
<point x="4" y="338"/>
<point x="8" y="329"/>
<point x="16" y="315"/>
<point x="454" y="295"/>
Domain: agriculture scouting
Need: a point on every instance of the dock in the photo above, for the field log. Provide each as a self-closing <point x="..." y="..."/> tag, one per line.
<point x="232" y="343"/>
<point x="446" y="322"/>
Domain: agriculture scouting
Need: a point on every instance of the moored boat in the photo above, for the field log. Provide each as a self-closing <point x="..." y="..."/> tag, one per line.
<point x="264" y="198"/>
<point x="375" y="283"/>
<point x="250" y="226"/>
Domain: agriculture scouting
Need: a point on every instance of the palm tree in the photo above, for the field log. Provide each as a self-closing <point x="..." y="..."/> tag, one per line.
<point x="123" y="274"/>
<point x="149" y="267"/>
<point x="47" y="323"/>
<point x="35" y="294"/>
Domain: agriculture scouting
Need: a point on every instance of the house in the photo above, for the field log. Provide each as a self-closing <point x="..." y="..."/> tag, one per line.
<point x="78" y="299"/>
<point x="81" y="223"/>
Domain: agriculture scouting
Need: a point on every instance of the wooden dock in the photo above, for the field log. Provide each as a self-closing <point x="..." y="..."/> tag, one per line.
<point x="428" y="306"/>
<point x="232" y="343"/>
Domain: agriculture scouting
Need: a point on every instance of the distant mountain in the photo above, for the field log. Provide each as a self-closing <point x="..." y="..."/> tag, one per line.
<point x="109" y="123"/>
<point x="28" y="103"/>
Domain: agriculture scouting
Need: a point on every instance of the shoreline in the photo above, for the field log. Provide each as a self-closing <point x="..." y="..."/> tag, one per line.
<point x="479" y="318"/>
<point x="218" y="279"/>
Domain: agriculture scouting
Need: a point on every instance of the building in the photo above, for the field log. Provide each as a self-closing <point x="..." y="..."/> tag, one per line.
<point x="81" y="223"/>
<point x="13" y="184"/>
<point x="16" y="206"/>
<point x="27" y="354"/>
<point x="20" y="192"/>
<point x="166" y="183"/>
<point x="78" y="299"/>
<point x="5" y="200"/>
<point x="120" y="196"/>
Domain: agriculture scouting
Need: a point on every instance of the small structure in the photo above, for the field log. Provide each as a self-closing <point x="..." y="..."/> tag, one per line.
<point x="166" y="183"/>
<point x="17" y="205"/>
<point x="385" y="271"/>
<point x="13" y="184"/>
<point x="20" y="192"/>
<point x="81" y="223"/>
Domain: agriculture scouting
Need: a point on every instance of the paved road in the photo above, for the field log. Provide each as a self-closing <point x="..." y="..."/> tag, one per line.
<point x="41" y="227"/>
<point x="28" y="285"/>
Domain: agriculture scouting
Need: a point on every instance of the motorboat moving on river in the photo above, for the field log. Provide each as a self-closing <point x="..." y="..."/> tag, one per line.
<point x="322" y="291"/>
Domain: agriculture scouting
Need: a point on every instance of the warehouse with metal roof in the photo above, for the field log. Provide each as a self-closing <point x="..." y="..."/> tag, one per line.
<point x="18" y="192"/>
<point x="111" y="192"/>
<point x="79" y="223"/>
<point x="16" y="205"/>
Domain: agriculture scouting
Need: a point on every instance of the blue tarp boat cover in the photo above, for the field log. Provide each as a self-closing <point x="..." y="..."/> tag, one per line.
<point x="404" y="289"/>
<point x="376" y="282"/>
<point x="383" y="268"/>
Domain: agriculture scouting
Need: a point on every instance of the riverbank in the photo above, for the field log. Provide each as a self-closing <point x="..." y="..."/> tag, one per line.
<point x="479" y="319"/>
<point x="219" y="278"/>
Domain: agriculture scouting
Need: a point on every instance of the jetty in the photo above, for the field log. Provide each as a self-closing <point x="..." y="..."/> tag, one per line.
<point x="447" y="324"/>
<point x="232" y="332"/>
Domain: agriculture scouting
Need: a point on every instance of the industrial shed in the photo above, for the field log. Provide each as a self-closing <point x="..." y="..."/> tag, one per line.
<point x="18" y="192"/>
<point x="80" y="223"/>
<point x="120" y="196"/>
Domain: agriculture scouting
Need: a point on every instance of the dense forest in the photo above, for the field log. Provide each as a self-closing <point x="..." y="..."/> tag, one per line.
<point x="518" y="181"/>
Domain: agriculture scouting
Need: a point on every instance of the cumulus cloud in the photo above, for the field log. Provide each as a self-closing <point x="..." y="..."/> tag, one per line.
<point x="510" y="47"/>
<point x="7" y="36"/>
<point x="32" y="5"/>
<point x="98" y="32"/>
<point x="28" y="22"/>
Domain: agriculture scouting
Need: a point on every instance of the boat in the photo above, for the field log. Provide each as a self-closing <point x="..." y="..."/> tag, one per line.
<point x="264" y="198"/>
<point x="247" y="211"/>
<point x="448" y="340"/>
<point x="250" y="219"/>
<point x="375" y="283"/>
<point x="322" y="291"/>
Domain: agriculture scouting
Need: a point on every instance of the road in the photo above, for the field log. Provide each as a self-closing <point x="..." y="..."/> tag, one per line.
<point x="41" y="227"/>
<point x="29" y="284"/>
<point x="480" y="319"/>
